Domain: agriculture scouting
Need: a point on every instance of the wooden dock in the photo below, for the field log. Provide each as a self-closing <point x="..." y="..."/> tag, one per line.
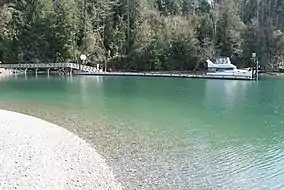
<point x="148" y="74"/>
<point x="88" y="70"/>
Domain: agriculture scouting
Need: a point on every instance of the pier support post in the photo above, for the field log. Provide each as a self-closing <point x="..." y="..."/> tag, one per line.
<point x="48" y="71"/>
<point x="257" y="67"/>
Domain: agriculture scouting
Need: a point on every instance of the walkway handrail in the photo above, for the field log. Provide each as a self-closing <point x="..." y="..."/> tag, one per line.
<point x="84" y="68"/>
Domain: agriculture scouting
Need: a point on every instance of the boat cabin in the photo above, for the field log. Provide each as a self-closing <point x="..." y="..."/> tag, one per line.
<point x="222" y="64"/>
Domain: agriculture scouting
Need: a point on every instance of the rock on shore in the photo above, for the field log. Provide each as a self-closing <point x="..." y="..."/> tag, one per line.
<point x="35" y="154"/>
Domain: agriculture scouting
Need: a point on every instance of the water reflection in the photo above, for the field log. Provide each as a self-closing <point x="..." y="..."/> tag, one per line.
<point x="91" y="89"/>
<point x="225" y="93"/>
<point x="70" y="79"/>
<point x="98" y="79"/>
<point x="4" y="78"/>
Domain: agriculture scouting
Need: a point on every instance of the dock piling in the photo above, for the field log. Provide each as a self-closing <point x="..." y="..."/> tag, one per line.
<point x="36" y="71"/>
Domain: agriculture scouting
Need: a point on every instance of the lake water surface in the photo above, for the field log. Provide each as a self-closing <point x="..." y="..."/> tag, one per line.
<point x="163" y="133"/>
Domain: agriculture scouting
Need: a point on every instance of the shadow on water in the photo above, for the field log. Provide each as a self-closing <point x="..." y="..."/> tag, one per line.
<point x="167" y="133"/>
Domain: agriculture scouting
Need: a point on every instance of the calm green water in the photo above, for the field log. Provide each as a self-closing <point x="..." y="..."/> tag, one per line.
<point x="167" y="133"/>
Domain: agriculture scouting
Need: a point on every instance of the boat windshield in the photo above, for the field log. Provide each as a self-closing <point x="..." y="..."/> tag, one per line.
<point x="222" y="60"/>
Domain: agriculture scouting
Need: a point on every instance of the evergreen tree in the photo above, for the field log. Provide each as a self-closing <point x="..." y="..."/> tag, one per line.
<point x="142" y="34"/>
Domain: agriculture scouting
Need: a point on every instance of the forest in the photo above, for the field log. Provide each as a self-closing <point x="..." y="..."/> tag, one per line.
<point x="142" y="34"/>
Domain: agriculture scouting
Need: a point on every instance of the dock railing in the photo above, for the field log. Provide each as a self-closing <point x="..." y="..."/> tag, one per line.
<point x="76" y="66"/>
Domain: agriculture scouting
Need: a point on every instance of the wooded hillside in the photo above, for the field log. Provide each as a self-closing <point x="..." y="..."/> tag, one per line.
<point x="142" y="34"/>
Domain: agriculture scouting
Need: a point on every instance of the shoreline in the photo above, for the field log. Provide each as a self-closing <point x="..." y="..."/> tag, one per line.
<point x="272" y="74"/>
<point x="36" y="154"/>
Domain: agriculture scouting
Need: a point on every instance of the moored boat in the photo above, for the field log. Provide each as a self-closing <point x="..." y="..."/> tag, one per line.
<point x="223" y="67"/>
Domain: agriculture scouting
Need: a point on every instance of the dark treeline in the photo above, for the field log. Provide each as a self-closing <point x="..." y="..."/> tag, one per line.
<point x="142" y="34"/>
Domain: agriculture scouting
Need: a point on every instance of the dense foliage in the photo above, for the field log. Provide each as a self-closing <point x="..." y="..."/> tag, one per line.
<point x="142" y="34"/>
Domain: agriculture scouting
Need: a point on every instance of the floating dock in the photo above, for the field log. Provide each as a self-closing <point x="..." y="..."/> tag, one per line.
<point x="168" y="75"/>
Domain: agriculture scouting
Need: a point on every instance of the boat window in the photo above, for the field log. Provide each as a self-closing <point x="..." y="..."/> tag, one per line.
<point x="221" y="61"/>
<point x="225" y="69"/>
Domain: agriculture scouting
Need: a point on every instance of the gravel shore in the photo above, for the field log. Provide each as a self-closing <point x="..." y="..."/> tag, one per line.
<point x="35" y="154"/>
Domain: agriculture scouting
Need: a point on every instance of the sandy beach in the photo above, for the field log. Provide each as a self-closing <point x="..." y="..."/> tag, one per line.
<point x="35" y="154"/>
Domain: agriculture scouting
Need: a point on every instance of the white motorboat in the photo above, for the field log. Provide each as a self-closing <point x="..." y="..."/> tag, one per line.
<point x="224" y="67"/>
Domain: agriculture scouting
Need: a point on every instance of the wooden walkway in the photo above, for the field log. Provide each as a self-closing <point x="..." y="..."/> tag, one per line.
<point x="49" y="66"/>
